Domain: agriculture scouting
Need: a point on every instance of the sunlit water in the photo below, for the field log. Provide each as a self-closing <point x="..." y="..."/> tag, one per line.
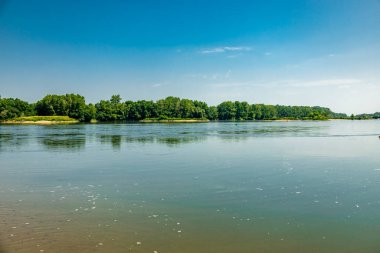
<point x="207" y="187"/>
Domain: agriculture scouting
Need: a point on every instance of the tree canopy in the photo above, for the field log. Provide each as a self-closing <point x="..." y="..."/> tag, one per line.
<point x="115" y="109"/>
<point x="14" y="107"/>
<point x="72" y="105"/>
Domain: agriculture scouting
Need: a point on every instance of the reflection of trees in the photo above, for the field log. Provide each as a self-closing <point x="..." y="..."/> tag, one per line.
<point x="114" y="140"/>
<point x="73" y="139"/>
<point x="266" y="131"/>
<point x="175" y="141"/>
<point x="170" y="141"/>
<point x="140" y="139"/>
<point x="233" y="138"/>
<point x="8" y="140"/>
<point x="68" y="141"/>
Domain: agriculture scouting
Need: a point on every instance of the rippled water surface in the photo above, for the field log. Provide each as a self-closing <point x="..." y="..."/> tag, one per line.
<point x="205" y="187"/>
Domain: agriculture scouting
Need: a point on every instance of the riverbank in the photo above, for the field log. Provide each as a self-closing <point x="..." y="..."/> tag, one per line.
<point x="50" y="120"/>
<point x="174" y="120"/>
<point x="40" y="120"/>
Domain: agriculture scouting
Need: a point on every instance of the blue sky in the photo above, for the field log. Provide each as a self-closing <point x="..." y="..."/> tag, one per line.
<point x="314" y="52"/>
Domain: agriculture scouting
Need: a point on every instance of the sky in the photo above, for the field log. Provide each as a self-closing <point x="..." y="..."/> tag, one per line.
<point x="310" y="52"/>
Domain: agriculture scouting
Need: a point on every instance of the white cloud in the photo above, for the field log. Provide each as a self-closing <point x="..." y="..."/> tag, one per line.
<point x="229" y="85"/>
<point x="217" y="50"/>
<point x="216" y="76"/>
<point x="156" y="85"/>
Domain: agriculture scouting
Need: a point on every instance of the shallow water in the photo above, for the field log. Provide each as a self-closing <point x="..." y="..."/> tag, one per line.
<point x="205" y="187"/>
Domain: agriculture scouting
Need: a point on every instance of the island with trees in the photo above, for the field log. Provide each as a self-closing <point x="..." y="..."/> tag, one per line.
<point x="72" y="108"/>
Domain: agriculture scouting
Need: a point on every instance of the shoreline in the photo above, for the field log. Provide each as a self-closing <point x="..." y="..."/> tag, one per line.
<point x="38" y="122"/>
<point x="174" y="121"/>
<point x="65" y="122"/>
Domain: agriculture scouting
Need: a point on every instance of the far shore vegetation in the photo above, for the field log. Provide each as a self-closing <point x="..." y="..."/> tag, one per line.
<point x="41" y="120"/>
<point x="73" y="108"/>
<point x="174" y="120"/>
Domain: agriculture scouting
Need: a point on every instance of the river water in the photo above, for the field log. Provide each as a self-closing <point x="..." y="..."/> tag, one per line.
<point x="201" y="187"/>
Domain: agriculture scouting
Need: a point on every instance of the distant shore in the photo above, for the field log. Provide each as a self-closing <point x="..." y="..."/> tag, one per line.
<point x="173" y="120"/>
<point x="57" y="120"/>
<point x="40" y="120"/>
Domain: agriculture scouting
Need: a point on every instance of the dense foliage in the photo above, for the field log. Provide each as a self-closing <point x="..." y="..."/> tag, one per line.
<point x="375" y="115"/>
<point x="70" y="105"/>
<point x="114" y="109"/>
<point x="11" y="108"/>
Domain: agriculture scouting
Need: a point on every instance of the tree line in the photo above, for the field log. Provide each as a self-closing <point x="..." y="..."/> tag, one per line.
<point x="114" y="109"/>
<point x="375" y="115"/>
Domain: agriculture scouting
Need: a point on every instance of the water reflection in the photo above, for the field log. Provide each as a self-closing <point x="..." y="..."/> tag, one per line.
<point x="114" y="140"/>
<point x="75" y="137"/>
<point x="233" y="138"/>
<point x="9" y="141"/>
<point x="175" y="141"/>
<point x="171" y="141"/>
<point x="282" y="130"/>
<point x="140" y="139"/>
<point x="275" y="190"/>
<point x="67" y="141"/>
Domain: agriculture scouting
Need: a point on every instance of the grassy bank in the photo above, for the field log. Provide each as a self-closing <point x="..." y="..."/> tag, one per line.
<point x="41" y="120"/>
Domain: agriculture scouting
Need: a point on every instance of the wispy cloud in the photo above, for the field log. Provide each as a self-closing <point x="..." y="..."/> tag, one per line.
<point x="218" y="50"/>
<point x="231" y="84"/>
<point x="156" y="85"/>
<point x="211" y="76"/>
<point x="339" y="82"/>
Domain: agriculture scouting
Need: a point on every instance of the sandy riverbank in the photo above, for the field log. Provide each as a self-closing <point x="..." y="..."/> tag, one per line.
<point x="39" y="122"/>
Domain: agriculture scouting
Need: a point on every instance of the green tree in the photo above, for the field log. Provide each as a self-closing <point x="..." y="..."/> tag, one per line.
<point x="115" y="99"/>
<point x="242" y="110"/>
<point x="187" y="108"/>
<point x="142" y="109"/>
<point x="111" y="110"/>
<point x="212" y="113"/>
<point x="227" y="111"/>
<point x="72" y="105"/>
<point x="257" y="111"/>
<point x="269" y="112"/>
<point x="76" y="105"/>
<point x="89" y="113"/>
<point x="169" y="107"/>
<point x="200" y="109"/>
<point x="11" y="108"/>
